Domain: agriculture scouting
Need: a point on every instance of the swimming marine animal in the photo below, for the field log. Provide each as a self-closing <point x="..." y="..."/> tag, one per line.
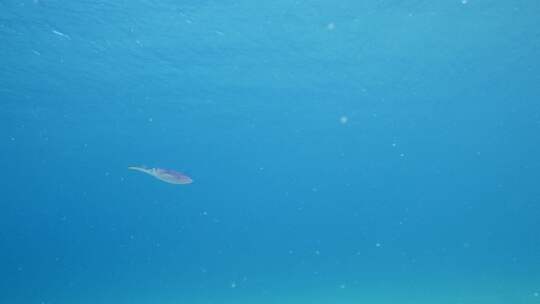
<point x="166" y="175"/>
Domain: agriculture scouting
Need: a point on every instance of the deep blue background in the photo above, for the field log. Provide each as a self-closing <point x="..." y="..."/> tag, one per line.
<point x="430" y="187"/>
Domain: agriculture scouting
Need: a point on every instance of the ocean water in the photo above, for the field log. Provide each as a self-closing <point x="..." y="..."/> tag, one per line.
<point x="342" y="152"/>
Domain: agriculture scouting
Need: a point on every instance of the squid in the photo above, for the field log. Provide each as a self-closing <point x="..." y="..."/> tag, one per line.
<point x="166" y="175"/>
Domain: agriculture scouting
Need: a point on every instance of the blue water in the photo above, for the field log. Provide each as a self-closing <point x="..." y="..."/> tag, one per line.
<point x="341" y="151"/>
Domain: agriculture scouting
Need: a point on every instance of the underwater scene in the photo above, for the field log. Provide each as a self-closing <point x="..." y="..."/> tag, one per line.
<point x="270" y="152"/>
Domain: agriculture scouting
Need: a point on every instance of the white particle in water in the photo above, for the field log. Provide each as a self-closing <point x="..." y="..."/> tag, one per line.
<point x="343" y="120"/>
<point x="331" y="26"/>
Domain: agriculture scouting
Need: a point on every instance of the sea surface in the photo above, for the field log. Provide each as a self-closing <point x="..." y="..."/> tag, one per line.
<point x="341" y="152"/>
